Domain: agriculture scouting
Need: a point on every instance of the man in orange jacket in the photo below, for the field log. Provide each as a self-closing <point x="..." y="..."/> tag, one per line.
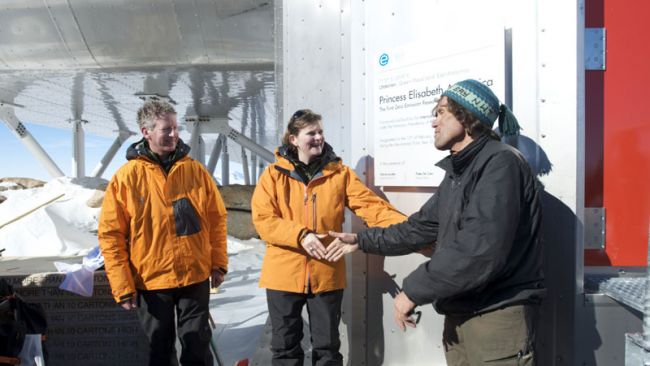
<point x="162" y="232"/>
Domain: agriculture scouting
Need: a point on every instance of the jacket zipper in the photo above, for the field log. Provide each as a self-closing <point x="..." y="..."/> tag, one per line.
<point x="313" y="210"/>
<point x="306" y="205"/>
<point x="306" y="202"/>
<point x="314" y="226"/>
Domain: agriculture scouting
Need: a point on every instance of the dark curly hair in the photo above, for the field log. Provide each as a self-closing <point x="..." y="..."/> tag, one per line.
<point x="473" y="126"/>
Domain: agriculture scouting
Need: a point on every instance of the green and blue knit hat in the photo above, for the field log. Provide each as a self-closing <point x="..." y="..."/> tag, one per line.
<point x="481" y="101"/>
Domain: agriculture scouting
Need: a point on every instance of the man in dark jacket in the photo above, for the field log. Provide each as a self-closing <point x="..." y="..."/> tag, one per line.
<point x="485" y="273"/>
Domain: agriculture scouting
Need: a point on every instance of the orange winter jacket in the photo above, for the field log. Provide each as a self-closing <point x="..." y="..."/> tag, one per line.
<point x="283" y="207"/>
<point x="161" y="230"/>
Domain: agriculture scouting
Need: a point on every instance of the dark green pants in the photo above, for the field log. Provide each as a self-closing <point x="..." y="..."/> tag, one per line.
<point x="502" y="337"/>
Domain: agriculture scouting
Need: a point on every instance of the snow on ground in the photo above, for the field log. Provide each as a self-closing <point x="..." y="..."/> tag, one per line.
<point x="67" y="226"/>
<point x="239" y="308"/>
<point x="8" y="185"/>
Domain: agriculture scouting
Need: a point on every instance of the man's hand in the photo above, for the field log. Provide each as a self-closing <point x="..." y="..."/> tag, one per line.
<point x="129" y="304"/>
<point x="217" y="278"/>
<point x="403" y="308"/>
<point x="338" y="249"/>
<point x="347" y="238"/>
<point x="313" y="246"/>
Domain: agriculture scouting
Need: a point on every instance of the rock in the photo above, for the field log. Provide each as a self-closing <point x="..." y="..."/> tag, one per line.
<point x="96" y="200"/>
<point x="237" y="196"/>
<point x="99" y="184"/>
<point x="23" y="182"/>
<point x="2" y="199"/>
<point x="102" y="186"/>
<point x="237" y="199"/>
<point x="240" y="225"/>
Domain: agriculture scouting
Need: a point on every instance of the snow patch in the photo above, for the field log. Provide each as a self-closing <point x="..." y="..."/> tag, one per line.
<point x="51" y="220"/>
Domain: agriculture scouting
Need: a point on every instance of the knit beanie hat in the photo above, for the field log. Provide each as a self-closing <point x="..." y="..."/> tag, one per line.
<point x="481" y="101"/>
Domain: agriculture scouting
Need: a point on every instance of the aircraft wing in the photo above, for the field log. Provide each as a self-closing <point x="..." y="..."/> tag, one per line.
<point x="93" y="60"/>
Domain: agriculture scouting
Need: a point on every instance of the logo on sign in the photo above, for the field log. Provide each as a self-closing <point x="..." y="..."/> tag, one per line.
<point x="383" y="59"/>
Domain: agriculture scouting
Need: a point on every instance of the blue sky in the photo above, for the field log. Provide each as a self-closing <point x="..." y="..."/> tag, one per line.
<point x="17" y="161"/>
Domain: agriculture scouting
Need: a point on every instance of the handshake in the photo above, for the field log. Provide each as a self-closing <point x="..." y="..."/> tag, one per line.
<point x="342" y="244"/>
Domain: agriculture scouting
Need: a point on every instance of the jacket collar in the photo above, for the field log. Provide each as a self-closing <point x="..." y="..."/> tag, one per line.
<point x="457" y="164"/>
<point x="286" y="161"/>
<point x="141" y="150"/>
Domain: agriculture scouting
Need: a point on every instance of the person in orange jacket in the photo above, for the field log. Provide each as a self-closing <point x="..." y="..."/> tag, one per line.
<point x="300" y="196"/>
<point x="162" y="232"/>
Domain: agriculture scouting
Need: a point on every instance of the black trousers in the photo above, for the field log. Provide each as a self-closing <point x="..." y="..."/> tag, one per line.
<point x="156" y="311"/>
<point x="324" y="311"/>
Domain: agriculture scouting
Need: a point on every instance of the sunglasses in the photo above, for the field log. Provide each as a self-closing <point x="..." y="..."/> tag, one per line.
<point x="299" y="113"/>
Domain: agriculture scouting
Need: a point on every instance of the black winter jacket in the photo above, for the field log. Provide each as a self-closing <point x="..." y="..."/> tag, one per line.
<point x="485" y="221"/>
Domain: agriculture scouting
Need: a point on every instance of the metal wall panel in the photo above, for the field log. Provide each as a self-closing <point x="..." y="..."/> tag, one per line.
<point x="313" y="73"/>
<point x="330" y="73"/>
<point x="560" y="104"/>
<point x="312" y="59"/>
<point x="602" y="339"/>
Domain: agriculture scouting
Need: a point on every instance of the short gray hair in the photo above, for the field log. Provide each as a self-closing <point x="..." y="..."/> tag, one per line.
<point x="151" y="110"/>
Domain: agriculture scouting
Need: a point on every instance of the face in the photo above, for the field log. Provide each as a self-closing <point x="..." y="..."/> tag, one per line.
<point x="164" y="136"/>
<point x="449" y="132"/>
<point x="309" y="142"/>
